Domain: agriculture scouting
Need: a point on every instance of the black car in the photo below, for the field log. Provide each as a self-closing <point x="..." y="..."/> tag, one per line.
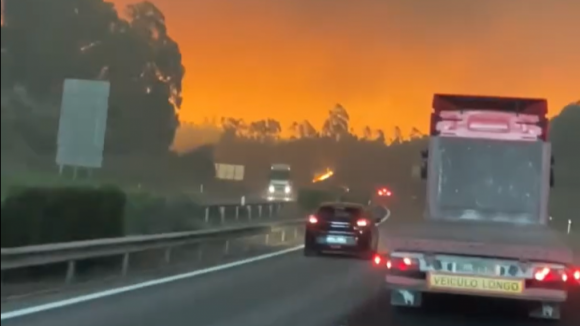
<point x="341" y="228"/>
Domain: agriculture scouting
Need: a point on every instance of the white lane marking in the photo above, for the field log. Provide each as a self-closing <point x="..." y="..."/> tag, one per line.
<point x="124" y="289"/>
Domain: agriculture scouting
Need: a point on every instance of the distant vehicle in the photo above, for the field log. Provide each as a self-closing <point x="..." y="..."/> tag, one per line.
<point x="280" y="187"/>
<point x="489" y="172"/>
<point x="344" y="228"/>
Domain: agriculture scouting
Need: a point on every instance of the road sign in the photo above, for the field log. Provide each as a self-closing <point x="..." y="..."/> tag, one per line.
<point x="83" y="123"/>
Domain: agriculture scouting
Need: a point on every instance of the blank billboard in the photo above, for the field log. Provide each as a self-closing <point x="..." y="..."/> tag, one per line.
<point x="83" y="123"/>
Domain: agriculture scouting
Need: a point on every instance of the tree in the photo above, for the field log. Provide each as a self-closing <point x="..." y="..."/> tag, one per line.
<point x="233" y="128"/>
<point x="416" y="134"/>
<point x="86" y="39"/>
<point x="336" y="126"/>
<point x="303" y="130"/>
<point x="397" y="136"/>
<point x="565" y="136"/>
<point x="264" y="130"/>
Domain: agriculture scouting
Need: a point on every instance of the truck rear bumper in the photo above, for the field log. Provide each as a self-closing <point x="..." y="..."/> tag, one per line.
<point x="396" y="282"/>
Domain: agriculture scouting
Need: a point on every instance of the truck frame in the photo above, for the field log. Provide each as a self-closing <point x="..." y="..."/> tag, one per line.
<point x="489" y="171"/>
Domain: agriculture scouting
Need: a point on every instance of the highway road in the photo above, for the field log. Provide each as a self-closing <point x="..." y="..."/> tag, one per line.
<point x="285" y="290"/>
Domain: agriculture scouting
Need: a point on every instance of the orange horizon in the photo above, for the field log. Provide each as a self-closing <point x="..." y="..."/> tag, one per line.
<point x="293" y="60"/>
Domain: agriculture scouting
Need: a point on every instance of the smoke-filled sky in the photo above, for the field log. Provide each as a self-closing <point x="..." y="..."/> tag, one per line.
<point x="382" y="59"/>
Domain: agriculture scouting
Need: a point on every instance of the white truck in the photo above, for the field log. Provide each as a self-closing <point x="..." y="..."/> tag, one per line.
<point x="489" y="171"/>
<point x="280" y="187"/>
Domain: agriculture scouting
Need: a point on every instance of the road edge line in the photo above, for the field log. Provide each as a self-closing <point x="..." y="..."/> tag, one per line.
<point x="129" y="288"/>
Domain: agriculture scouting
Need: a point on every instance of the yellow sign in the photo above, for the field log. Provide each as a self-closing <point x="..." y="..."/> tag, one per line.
<point x="475" y="284"/>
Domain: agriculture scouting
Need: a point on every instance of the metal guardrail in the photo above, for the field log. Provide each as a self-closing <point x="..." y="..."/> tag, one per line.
<point x="247" y="210"/>
<point x="73" y="252"/>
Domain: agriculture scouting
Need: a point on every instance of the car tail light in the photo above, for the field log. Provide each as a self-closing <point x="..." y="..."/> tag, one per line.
<point x="362" y="222"/>
<point x="378" y="260"/>
<point x="312" y="219"/>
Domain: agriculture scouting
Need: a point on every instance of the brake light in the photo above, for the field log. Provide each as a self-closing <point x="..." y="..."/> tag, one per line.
<point x="312" y="219"/>
<point x="384" y="192"/>
<point x="362" y="222"/>
<point x="549" y="275"/>
<point x="576" y="275"/>
<point x="403" y="264"/>
<point x="377" y="259"/>
<point x="542" y="274"/>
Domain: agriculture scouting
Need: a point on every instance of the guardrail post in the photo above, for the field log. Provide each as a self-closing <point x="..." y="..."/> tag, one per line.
<point x="249" y="212"/>
<point x="267" y="241"/>
<point x="227" y="247"/>
<point x="200" y="252"/>
<point x="295" y="233"/>
<point x="569" y="226"/>
<point x="260" y="211"/>
<point x="207" y="215"/>
<point x="125" y="269"/>
<point x="168" y="255"/>
<point x="283" y="235"/>
<point x="70" y="271"/>
<point x="223" y="214"/>
<point x="271" y="209"/>
<point x="237" y="213"/>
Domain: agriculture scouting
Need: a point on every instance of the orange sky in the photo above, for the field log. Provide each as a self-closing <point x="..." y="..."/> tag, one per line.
<point x="381" y="59"/>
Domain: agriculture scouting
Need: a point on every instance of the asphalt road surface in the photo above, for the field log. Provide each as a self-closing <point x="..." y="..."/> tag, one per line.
<point x="286" y="290"/>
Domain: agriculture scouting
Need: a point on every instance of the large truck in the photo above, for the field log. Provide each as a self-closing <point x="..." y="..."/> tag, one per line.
<point x="488" y="172"/>
<point x="280" y="186"/>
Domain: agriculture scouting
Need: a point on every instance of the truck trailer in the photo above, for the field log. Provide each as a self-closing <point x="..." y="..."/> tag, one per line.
<point x="488" y="171"/>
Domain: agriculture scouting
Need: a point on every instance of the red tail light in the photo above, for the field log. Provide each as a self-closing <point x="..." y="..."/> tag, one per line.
<point x="542" y="274"/>
<point x="576" y="275"/>
<point x="312" y="219"/>
<point x="384" y="192"/>
<point x="378" y="260"/>
<point x="362" y="222"/>
<point x="549" y="275"/>
<point x="403" y="264"/>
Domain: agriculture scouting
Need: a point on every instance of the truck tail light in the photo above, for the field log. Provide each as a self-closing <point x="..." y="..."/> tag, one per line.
<point x="546" y="274"/>
<point x="402" y="264"/>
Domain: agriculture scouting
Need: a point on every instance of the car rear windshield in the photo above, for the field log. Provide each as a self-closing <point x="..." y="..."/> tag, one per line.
<point x="336" y="212"/>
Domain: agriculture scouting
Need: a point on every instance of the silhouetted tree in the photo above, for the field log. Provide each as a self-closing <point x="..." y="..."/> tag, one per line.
<point x="303" y="129"/>
<point x="336" y="126"/>
<point x="565" y="136"/>
<point x="416" y="134"/>
<point x="86" y="39"/>
<point x="264" y="130"/>
<point x="397" y="136"/>
<point x="233" y="128"/>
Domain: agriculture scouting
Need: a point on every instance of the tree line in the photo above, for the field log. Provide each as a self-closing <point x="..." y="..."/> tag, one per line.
<point x="365" y="159"/>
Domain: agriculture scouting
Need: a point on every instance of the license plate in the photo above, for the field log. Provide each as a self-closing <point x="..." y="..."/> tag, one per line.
<point x="475" y="284"/>
<point x="336" y="240"/>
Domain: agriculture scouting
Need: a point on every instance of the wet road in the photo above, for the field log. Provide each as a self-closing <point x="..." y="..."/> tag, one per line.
<point x="286" y="290"/>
